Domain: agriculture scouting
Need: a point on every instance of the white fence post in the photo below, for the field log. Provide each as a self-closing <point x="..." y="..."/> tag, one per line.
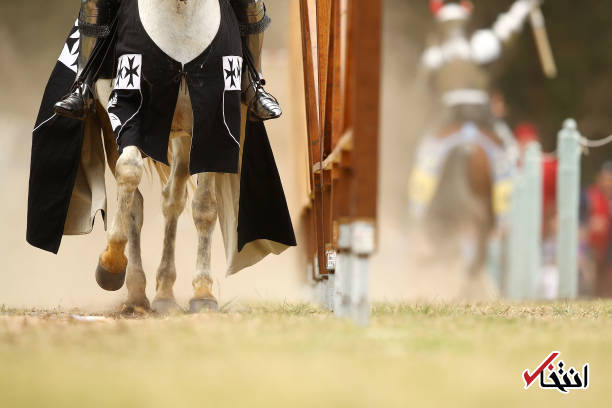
<point x="495" y="259"/>
<point x="568" y="201"/>
<point x="516" y="239"/>
<point x="533" y="220"/>
<point x="525" y="236"/>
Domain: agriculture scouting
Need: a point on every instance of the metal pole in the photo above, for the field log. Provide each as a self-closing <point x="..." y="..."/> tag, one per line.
<point x="362" y="245"/>
<point x="568" y="199"/>
<point x="342" y="294"/>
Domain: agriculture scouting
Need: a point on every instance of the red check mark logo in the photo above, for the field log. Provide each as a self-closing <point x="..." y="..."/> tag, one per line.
<point x="529" y="378"/>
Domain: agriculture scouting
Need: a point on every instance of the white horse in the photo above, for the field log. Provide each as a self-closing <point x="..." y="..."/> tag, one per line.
<point x="183" y="29"/>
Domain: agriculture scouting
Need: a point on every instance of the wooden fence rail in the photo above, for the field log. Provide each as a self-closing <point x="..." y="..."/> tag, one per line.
<point x="341" y="51"/>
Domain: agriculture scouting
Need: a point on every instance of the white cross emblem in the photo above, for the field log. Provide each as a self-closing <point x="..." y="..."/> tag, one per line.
<point x="70" y="52"/>
<point x="232" y="73"/>
<point x="129" y="70"/>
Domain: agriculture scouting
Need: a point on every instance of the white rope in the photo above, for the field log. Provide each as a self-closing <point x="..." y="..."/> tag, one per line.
<point x="591" y="144"/>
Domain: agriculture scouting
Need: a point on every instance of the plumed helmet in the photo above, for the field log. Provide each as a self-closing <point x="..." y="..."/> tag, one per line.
<point x="451" y="11"/>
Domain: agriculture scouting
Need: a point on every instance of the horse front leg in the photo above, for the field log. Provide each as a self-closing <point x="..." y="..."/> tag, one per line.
<point x="174" y="197"/>
<point x="112" y="263"/>
<point x="204" y="216"/>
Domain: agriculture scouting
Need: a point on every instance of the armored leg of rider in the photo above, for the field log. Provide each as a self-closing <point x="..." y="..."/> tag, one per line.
<point x="95" y="19"/>
<point x="253" y="23"/>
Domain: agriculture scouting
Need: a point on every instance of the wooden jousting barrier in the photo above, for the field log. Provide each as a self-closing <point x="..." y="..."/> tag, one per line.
<point x="341" y="52"/>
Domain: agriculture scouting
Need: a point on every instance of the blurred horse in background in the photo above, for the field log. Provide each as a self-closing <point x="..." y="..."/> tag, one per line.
<point x="461" y="180"/>
<point x="459" y="184"/>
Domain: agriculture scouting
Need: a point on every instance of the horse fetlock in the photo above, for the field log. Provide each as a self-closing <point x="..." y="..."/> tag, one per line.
<point x="113" y="258"/>
<point x="202" y="287"/>
<point x="164" y="283"/>
<point x="203" y="300"/>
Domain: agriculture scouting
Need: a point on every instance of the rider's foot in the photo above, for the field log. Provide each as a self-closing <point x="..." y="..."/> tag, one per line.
<point x="76" y="104"/>
<point x="262" y="106"/>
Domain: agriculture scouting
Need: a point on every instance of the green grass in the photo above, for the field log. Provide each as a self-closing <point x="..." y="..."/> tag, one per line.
<point x="294" y="355"/>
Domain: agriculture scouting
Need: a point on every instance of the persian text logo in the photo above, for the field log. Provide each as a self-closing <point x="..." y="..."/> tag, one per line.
<point x="562" y="379"/>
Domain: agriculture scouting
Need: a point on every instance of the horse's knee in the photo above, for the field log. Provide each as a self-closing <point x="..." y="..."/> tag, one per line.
<point x="174" y="197"/>
<point x="204" y="203"/>
<point x="204" y="211"/>
<point x="174" y="193"/>
<point x="129" y="168"/>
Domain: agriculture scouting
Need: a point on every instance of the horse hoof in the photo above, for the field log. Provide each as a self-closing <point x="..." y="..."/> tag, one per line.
<point x="108" y="280"/>
<point x="138" y="308"/>
<point x="166" y="307"/>
<point x="203" y="305"/>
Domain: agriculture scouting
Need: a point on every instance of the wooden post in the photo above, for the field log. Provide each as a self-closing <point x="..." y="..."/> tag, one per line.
<point x="342" y="87"/>
<point x="365" y="84"/>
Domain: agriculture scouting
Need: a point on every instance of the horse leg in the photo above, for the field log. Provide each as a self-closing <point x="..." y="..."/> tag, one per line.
<point x="481" y="185"/>
<point x="204" y="216"/>
<point x="112" y="264"/>
<point x="136" y="280"/>
<point x="479" y="285"/>
<point x="174" y="197"/>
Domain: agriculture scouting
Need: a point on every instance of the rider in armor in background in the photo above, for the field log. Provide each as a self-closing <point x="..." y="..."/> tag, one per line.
<point x="456" y="60"/>
<point x="95" y="21"/>
<point x="454" y="64"/>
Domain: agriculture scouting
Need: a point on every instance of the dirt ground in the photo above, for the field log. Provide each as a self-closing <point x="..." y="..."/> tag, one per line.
<point x="280" y="355"/>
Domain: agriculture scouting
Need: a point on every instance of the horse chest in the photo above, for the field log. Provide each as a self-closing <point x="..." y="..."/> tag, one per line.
<point x="181" y="29"/>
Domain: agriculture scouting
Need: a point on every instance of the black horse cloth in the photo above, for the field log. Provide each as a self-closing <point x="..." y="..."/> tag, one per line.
<point x="147" y="85"/>
<point x="252" y="208"/>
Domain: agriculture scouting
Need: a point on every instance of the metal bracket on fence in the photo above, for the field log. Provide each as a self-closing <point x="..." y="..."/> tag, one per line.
<point x="331" y="257"/>
<point x="362" y="246"/>
<point x="343" y="281"/>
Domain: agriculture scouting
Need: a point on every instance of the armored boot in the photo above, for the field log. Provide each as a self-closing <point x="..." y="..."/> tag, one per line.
<point x="253" y="22"/>
<point x="95" y="20"/>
